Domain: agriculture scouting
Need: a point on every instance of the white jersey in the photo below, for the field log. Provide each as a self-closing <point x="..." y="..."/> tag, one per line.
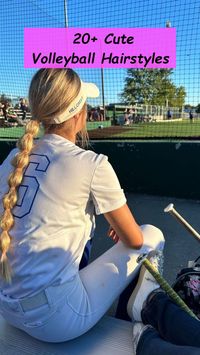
<point x="62" y="188"/>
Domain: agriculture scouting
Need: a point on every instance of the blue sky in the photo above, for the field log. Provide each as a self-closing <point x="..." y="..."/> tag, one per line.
<point x="17" y="14"/>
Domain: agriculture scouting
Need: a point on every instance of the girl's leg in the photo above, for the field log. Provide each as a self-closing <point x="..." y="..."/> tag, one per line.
<point x="151" y="343"/>
<point x="106" y="277"/>
<point x="172" y="323"/>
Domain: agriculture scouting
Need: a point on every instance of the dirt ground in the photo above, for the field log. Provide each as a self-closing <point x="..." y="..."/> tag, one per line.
<point x="107" y="132"/>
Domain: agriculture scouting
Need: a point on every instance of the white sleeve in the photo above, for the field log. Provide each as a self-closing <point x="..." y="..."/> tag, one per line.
<point x="106" y="191"/>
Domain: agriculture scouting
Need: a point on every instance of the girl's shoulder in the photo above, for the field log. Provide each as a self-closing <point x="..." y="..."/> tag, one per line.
<point x="91" y="157"/>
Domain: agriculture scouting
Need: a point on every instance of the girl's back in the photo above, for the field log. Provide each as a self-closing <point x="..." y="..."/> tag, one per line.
<point x="54" y="214"/>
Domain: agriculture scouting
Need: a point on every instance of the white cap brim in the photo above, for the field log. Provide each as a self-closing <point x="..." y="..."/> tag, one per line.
<point x="91" y="89"/>
<point x="88" y="90"/>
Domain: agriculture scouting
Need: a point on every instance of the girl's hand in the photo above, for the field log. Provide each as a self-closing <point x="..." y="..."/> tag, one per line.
<point x="112" y="234"/>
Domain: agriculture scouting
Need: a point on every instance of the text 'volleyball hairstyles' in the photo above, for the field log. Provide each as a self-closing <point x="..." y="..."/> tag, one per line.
<point x="51" y="92"/>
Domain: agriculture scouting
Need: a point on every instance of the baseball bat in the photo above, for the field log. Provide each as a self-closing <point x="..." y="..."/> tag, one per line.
<point x="170" y="209"/>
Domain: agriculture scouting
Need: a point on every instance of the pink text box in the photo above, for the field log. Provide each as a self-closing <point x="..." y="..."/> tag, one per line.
<point x="129" y="48"/>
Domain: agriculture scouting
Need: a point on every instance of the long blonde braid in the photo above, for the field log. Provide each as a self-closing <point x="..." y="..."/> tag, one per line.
<point x="20" y="162"/>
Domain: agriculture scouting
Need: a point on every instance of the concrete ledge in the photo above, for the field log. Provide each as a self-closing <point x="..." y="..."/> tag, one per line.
<point x="110" y="336"/>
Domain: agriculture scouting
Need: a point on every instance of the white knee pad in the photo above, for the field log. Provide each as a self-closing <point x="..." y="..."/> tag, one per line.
<point x="153" y="237"/>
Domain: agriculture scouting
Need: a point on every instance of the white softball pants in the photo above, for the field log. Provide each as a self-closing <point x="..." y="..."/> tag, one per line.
<point x="71" y="309"/>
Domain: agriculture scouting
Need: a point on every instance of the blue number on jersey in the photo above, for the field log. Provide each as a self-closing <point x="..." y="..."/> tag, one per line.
<point x="38" y="164"/>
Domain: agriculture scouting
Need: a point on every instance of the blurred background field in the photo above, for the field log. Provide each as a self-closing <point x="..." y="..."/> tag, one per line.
<point x="105" y="130"/>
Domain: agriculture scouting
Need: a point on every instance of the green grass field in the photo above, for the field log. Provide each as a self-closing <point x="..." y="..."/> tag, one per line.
<point x="17" y="132"/>
<point x="163" y="129"/>
<point x="181" y="129"/>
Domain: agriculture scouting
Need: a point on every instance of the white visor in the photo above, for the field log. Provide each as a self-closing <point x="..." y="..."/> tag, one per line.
<point x="87" y="90"/>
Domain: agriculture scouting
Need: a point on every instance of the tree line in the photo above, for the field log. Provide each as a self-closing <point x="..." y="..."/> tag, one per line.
<point x="152" y="87"/>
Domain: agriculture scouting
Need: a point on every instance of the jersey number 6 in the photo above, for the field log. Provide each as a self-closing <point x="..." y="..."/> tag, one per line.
<point x="38" y="165"/>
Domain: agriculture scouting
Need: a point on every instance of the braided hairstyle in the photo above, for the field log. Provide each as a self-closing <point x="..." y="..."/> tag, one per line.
<point x="51" y="92"/>
<point x="20" y="161"/>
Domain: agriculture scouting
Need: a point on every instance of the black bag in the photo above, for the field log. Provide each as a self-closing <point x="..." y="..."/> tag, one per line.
<point x="187" y="285"/>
